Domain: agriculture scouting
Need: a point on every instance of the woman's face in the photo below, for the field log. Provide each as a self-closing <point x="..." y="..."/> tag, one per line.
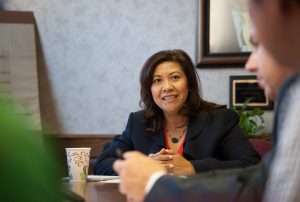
<point x="169" y="87"/>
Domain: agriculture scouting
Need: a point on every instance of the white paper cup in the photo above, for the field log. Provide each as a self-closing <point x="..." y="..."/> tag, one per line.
<point x="78" y="163"/>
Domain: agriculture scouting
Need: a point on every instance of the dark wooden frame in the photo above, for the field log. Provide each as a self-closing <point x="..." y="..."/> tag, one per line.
<point x="245" y="79"/>
<point x="206" y="59"/>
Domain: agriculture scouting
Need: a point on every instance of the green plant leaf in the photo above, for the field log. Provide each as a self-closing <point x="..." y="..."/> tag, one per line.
<point x="251" y="121"/>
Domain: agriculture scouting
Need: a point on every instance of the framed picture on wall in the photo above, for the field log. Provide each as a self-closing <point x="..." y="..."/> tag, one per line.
<point x="223" y="33"/>
<point x="244" y="87"/>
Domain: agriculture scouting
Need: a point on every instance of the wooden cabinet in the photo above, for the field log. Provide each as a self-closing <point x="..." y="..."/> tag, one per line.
<point x="18" y="64"/>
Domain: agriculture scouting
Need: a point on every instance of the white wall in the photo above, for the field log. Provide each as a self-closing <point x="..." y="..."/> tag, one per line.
<point x="93" y="52"/>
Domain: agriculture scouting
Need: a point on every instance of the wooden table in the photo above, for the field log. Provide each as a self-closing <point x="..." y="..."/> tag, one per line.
<point x="97" y="191"/>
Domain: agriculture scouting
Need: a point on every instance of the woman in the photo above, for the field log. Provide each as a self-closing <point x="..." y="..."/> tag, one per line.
<point x="176" y="126"/>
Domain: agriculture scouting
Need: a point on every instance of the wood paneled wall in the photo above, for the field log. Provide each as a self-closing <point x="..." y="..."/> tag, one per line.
<point x="18" y="64"/>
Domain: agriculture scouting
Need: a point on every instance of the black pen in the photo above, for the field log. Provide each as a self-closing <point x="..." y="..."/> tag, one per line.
<point x="119" y="153"/>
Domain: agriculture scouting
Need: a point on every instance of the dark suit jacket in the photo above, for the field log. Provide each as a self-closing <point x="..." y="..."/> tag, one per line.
<point x="213" y="141"/>
<point x="231" y="185"/>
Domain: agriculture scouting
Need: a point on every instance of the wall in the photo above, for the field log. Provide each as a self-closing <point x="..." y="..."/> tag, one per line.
<point x="93" y="51"/>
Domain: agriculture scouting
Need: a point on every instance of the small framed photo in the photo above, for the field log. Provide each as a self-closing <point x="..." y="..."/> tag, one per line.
<point x="244" y="87"/>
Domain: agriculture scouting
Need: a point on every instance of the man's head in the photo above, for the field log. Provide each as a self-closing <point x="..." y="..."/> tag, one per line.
<point x="270" y="74"/>
<point x="278" y="28"/>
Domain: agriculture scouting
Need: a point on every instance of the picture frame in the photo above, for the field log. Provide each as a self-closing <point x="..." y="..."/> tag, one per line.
<point x="244" y="87"/>
<point x="232" y="47"/>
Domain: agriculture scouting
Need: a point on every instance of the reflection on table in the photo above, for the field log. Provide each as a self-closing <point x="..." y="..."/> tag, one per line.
<point x="97" y="191"/>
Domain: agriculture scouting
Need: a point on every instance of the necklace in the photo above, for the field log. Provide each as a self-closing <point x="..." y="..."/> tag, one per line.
<point x="174" y="139"/>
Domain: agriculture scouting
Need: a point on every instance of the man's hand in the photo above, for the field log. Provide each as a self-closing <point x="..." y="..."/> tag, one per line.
<point x="135" y="171"/>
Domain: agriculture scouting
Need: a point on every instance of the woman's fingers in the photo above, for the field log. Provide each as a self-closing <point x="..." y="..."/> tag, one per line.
<point x="159" y="157"/>
<point x="169" y="151"/>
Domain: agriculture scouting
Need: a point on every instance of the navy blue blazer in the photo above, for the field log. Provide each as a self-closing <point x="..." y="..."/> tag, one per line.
<point x="213" y="140"/>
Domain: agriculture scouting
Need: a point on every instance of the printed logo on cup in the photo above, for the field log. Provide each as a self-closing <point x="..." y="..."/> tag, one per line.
<point x="78" y="163"/>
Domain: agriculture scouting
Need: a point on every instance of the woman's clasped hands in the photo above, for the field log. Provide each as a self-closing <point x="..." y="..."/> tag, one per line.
<point x="173" y="162"/>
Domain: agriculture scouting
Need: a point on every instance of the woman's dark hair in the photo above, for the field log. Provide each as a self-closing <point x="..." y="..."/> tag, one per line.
<point x="194" y="102"/>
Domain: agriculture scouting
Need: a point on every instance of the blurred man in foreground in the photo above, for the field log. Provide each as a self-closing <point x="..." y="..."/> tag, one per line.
<point x="278" y="27"/>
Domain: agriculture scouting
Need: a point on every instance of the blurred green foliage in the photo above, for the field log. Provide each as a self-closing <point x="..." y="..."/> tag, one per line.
<point x="251" y="120"/>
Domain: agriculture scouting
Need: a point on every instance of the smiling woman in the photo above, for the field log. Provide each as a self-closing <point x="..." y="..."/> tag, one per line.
<point x="176" y="126"/>
<point x="170" y="87"/>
